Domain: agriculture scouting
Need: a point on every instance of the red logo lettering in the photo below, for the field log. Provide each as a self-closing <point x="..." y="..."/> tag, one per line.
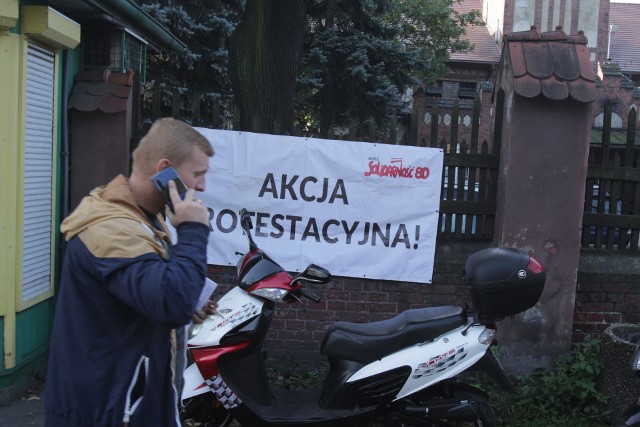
<point x="397" y="170"/>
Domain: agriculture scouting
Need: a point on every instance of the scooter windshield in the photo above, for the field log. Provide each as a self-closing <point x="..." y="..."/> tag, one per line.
<point x="258" y="268"/>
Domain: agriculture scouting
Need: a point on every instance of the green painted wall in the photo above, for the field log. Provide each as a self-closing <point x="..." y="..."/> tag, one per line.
<point x="33" y="324"/>
<point x="33" y="330"/>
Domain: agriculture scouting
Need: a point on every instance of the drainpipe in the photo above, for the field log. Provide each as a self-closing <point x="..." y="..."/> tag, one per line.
<point x="135" y="17"/>
<point x="65" y="136"/>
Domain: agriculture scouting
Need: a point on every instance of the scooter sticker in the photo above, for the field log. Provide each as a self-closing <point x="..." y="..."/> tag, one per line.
<point x="439" y="363"/>
<point x="247" y="311"/>
<point x="223" y="393"/>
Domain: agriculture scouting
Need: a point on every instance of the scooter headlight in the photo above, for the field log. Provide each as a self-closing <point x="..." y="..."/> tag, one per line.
<point x="636" y="360"/>
<point x="486" y="337"/>
<point x="193" y="331"/>
<point x="273" y="294"/>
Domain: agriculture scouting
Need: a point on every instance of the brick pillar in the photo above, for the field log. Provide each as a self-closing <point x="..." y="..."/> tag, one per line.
<point x="543" y="102"/>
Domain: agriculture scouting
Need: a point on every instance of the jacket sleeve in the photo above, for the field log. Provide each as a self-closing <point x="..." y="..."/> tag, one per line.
<point x="163" y="291"/>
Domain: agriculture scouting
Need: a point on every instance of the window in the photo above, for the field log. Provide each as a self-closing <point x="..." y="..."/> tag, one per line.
<point x="435" y="90"/>
<point x="616" y="121"/>
<point x="467" y="90"/>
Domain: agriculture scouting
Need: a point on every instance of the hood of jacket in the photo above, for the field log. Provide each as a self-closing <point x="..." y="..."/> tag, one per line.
<point x="113" y="201"/>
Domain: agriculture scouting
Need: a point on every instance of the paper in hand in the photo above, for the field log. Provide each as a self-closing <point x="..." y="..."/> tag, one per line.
<point x="207" y="290"/>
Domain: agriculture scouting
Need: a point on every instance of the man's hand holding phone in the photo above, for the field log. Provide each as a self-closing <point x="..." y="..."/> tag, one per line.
<point x="187" y="209"/>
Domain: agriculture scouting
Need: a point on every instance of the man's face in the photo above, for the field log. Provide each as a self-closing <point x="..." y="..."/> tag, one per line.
<point x="193" y="170"/>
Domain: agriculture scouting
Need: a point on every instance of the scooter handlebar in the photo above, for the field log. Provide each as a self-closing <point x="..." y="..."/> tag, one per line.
<point x="308" y="294"/>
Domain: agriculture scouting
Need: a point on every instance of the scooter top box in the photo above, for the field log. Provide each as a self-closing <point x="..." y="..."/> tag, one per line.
<point x="503" y="281"/>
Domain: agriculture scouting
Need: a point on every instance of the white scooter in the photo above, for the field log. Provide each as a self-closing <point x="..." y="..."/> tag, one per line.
<point x="397" y="372"/>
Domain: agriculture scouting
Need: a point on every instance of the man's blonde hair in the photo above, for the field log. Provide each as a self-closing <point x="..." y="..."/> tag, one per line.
<point x="171" y="139"/>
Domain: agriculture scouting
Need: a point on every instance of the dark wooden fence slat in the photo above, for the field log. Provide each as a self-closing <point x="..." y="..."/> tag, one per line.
<point x="588" y="205"/>
<point x="483" y="161"/>
<point x="413" y="129"/>
<point x="393" y="129"/>
<point x="604" y="220"/>
<point x="459" y="187"/>
<point x="614" y="173"/>
<point x="606" y="134"/>
<point x="455" y="115"/>
<point x="475" y="124"/>
<point x="216" y="123"/>
<point x="156" y="101"/>
<point x="635" y="234"/>
<point x="631" y="139"/>
<point x="471" y="197"/>
<point x="468" y="207"/>
<point x="195" y="109"/>
<point x="435" y="114"/>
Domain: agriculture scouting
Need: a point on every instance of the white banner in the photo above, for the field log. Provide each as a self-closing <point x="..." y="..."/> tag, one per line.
<point x="357" y="209"/>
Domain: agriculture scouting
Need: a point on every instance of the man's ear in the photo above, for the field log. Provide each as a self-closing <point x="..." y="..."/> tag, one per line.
<point x="162" y="164"/>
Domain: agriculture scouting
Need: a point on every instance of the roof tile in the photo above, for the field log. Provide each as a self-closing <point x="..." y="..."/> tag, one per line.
<point x="625" y="42"/>
<point x="92" y="92"/>
<point x="554" y="88"/>
<point x="552" y="64"/>
<point x="485" y="48"/>
<point x="518" y="65"/>
<point x="537" y="56"/>
<point x="565" y="61"/>
<point x="81" y="102"/>
<point x="113" y="104"/>
<point x="581" y="90"/>
<point x="586" y="70"/>
<point x="527" y="86"/>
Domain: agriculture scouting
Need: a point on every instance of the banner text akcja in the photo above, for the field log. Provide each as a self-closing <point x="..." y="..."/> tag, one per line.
<point x="358" y="209"/>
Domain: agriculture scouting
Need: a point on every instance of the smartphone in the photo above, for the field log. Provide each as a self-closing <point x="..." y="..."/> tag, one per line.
<point x="161" y="182"/>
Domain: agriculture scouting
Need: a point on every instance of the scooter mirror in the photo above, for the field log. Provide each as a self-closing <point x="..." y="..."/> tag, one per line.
<point x="245" y="220"/>
<point x="316" y="274"/>
<point x="247" y="225"/>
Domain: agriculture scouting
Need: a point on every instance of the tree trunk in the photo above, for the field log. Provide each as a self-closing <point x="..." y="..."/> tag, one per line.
<point x="326" y="92"/>
<point x="264" y="56"/>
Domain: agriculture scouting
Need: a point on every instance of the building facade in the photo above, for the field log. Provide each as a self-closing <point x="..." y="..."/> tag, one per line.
<point x="44" y="46"/>
<point x="614" y="54"/>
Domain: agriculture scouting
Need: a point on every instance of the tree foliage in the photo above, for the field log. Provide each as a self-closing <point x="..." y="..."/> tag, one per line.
<point x="205" y="27"/>
<point x="328" y="64"/>
<point x="361" y="57"/>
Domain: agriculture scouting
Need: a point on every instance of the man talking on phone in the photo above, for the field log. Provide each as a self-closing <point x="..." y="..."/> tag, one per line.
<point x="125" y="288"/>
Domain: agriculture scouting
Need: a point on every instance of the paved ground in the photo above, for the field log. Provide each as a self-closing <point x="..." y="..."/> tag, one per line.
<point x="27" y="410"/>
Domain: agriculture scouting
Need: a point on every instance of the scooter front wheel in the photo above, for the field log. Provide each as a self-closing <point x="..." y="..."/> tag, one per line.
<point x="205" y="410"/>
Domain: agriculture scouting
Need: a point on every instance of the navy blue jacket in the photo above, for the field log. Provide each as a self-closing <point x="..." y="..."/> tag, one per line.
<point x="121" y="294"/>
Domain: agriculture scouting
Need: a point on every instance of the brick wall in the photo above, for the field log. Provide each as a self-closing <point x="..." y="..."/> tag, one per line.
<point x="608" y="291"/>
<point x="614" y="87"/>
<point x="297" y="330"/>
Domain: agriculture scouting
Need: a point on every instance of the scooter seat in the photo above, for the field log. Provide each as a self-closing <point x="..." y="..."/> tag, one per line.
<point x="366" y="342"/>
